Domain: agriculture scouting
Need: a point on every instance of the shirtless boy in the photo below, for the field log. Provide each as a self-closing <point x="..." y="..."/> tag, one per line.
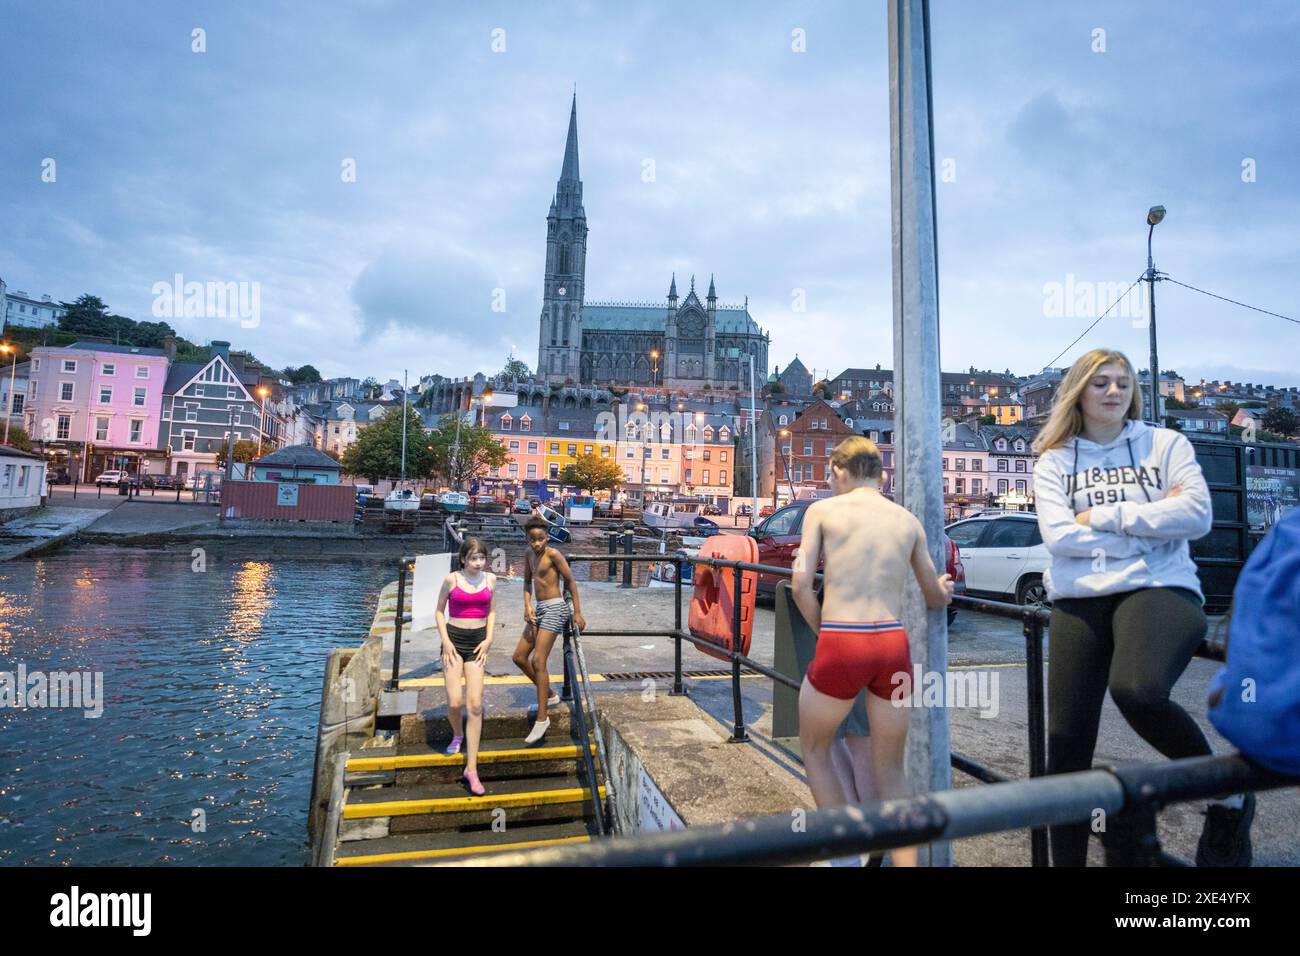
<point x="544" y="568"/>
<point x="869" y="544"/>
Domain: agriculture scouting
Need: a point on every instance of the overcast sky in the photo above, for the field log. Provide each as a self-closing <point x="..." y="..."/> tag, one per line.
<point x="708" y="145"/>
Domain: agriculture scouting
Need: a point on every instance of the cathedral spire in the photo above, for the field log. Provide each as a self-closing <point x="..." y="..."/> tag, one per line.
<point x="569" y="171"/>
<point x="672" y="289"/>
<point x="712" y="292"/>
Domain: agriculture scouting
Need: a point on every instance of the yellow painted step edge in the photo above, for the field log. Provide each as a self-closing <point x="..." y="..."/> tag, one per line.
<point x="402" y="808"/>
<point x="452" y="851"/>
<point x="409" y="761"/>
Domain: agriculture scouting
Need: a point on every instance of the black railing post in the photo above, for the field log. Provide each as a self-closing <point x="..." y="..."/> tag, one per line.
<point x="628" y="537"/>
<point x="613" y="549"/>
<point x="1033" y="630"/>
<point x="397" y="623"/>
<point x="566" y="688"/>
<point x="738" y="731"/>
<point x="679" y="567"/>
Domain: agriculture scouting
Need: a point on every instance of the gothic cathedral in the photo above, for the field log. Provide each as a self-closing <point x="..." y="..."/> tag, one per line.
<point x="691" y="345"/>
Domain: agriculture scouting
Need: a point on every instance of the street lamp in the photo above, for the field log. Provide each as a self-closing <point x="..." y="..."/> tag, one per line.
<point x="1154" y="217"/>
<point x="13" y="365"/>
<point x="261" y="425"/>
<point x="645" y="437"/>
<point x="654" y="374"/>
<point x="789" y="479"/>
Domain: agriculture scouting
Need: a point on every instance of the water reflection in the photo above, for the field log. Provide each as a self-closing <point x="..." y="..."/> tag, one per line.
<point x="211" y="682"/>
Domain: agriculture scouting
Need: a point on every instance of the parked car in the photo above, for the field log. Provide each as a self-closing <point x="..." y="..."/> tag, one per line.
<point x="780" y="535"/>
<point x="766" y="511"/>
<point x="744" y="511"/>
<point x="711" y="510"/>
<point x="1003" y="554"/>
<point x="59" y="477"/>
<point x="523" y="507"/>
<point x="111" y="477"/>
<point x="164" y="482"/>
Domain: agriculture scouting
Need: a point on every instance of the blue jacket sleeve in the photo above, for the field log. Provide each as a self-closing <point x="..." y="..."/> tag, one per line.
<point x="1184" y="517"/>
<point x="1064" y="536"/>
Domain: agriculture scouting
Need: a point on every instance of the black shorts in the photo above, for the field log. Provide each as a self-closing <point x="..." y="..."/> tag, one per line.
<point x="466" y="639"/>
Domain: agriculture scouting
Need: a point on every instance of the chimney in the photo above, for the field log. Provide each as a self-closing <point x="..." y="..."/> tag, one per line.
<point x="169" y="348"/>
<point x="217" y="347"/>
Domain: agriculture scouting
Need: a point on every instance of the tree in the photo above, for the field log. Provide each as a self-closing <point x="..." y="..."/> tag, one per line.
<point x="592" y="473"/>
<point x="18" y="438"/>
<point x="1281" y="420"/>
<point x="515" y="369"/>
<point x="377" y="452"/>
<point x="1175" y="405"/>
<point x="245" y="451"/>
<point x="371" y="389"/>
<point x="303" y="375"/>
<point x="775" y="388"/>
<point x="478" y="453"/>
<point x="988" y="419"/>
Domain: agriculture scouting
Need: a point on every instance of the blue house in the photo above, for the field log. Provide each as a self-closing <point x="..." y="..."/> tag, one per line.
<point x="300" y="463"/>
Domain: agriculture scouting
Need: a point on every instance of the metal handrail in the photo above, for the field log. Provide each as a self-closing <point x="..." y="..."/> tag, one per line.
<point x="1123" y="793"/>
<point x="584" y="682"/>
<point x="583" y="735"/>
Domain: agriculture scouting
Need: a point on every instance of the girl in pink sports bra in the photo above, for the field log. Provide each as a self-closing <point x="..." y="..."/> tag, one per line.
<point x="466" y="619"/>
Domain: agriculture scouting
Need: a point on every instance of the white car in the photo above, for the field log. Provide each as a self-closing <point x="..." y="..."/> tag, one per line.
<point x="111" y="477"/>
<point x="1004" y="555"/>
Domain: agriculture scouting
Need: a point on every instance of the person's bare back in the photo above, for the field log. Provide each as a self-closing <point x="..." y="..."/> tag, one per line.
<point x="867" y="544"/>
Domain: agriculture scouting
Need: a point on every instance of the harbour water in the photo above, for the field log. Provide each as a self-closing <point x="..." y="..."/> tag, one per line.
<point x="203" y="753"/>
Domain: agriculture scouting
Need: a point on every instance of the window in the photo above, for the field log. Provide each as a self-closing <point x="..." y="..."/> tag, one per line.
<point x="505" y="422"/>
<point x="555" y="448"/>
<point x="961" y="465"/>
<point x="807" y="446"/>
<point x="514" y="446"/>
<point x="108" y="369"/>
<point x="690" y="434"/>
<point x="65" y="391"/>
<point x="532" y="471"/>
<point x="18" y="403"/>
<point x="22" y="476"/>
<point x="783" y="420"/>
<point x="1002" y="486"/>
<point x="724" y="433"/>
<point x="631" y="453"/>
<point x="722" y="455"/>
<point x="138" y="399"/>
<point x="708" y="454"/>
<point x="645" y="452"/>
<point x="101" y="429"/>
<point x="965" y="534"/>
<point x="945" y="486"/>
<point x="976" y="486"/>
<point x="564" y="426"/>
<point x="1020" y="487"/>
<point x="555" y="469"/>
<point x="525" y="424"/>
<point x="105" y="394"/>
<point x="663" y="453"/>
<point x="785" y="449"/>
<point x="187" y="440"/>
<point x="572" y="450"/>
<point x="706" y="476"/>
<point x="63" y="428"/>
<point x="708" y="433"/>
<point x="532" y="447"/>
<point x="198" y="391"/>
<point x="722" y="477"/>
<point x="604" y="451"/>
<point x="1020" y="444"/>
<point x="1002" y="465"/>
<point x="142" y="371"/>
<point x="976" y="464"/>
<point x="1020" y="464"/>
<point x="137" y="430"/>
<point x="945" y="464"/>
<point x="69" y="365"/>
<point x="514" y="469"/>
<point x="783" y="522"/>
<point x="587" y="449"/>
<point x="875" y="435"/>
<point x="192" y="414"/>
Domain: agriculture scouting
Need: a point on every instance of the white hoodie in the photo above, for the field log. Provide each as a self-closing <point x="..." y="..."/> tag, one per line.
<point x="1139" y="536"/>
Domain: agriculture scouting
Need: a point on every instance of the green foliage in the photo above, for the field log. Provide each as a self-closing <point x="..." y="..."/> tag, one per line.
<point x="1281" y="420"/>
<point x="515" y="369"/>
<point x="478" y="452"/>
<point x="592" y="473"/>
<point x="245" y="451"/>
<point x="303" y="375"/>
<point x="377" y="452"/>
<point x="988" y="419"/>
<point x="18" y="438"/>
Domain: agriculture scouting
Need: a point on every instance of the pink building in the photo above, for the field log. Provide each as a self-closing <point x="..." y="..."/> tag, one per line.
<point x="95" y="407"/>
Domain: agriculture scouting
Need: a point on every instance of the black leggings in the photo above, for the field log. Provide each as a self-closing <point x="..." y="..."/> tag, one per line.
<point x="1138" y="644"/>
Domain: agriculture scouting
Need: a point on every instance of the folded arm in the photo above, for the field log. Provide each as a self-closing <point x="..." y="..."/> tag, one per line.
<point x="1064" y="536"/>
<point x="1186" y="515"/>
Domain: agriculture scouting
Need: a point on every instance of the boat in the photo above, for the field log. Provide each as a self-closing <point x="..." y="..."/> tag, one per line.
<point x="402" y="499"/>
<point x="664" y="515"/>
<point x="453" y="502"/>
<point x="663" y="574"/>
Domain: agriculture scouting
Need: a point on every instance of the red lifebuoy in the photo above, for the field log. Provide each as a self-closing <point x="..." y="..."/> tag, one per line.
<point x="713" y="599"/>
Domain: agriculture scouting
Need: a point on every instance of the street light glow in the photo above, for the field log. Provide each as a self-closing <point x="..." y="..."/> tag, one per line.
<point x="1154" y="215"/>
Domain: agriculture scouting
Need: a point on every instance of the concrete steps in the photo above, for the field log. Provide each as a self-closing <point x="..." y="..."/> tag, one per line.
<point x="408" y="804"/>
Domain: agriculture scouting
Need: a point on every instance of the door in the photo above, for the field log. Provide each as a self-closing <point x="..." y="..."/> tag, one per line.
<point x="966" y="536"/>
<point x="1005" y="550"/>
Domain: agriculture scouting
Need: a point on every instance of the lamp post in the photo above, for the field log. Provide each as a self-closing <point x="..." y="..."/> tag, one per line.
<point x="785" y="457"/>
<point x="261" y="424"/>
<point x="1154" y="216"/>
<point x="645" y="437"/>
<point x="13" y="365"/>
<point x="654" y="373"/>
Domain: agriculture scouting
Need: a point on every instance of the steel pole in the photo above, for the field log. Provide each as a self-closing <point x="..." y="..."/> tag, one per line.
<point x="918" y="475"/>
<point x="1151" y="312"/>
<point x="9" y="411"/>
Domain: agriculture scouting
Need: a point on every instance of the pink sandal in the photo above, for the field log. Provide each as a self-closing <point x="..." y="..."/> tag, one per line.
<point x="471" y="778"/>
<point x="454" y="746"/>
